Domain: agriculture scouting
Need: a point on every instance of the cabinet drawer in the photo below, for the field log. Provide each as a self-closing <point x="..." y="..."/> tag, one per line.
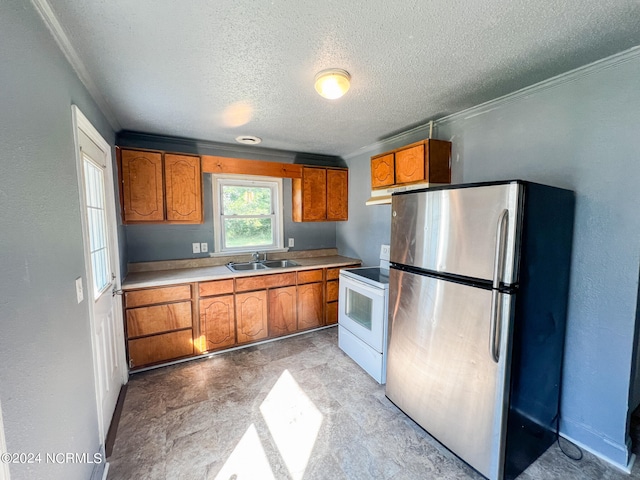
<point x="151" y="296"/>
<point x="217" y="287"/>
<point x="160" y="348"/>
<point x="261" y="282"/>
<point x="333" y="273"/>
<point x="309" y="276"/>
<point x="160" y="318"/>
<point x="331" y="313"/>
<point x="332" y="291"/>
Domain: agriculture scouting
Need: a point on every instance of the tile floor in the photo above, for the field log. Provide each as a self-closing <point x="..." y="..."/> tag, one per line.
<point x="296" y="408"/>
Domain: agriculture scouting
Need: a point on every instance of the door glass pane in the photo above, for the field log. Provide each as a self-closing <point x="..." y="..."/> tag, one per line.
<point x="359" y="308"/>
<point x="96" y="225"/>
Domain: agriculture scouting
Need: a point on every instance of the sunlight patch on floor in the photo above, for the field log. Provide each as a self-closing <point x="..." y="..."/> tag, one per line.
<point x="248" y="460"/>
<point x="294" y="422"/>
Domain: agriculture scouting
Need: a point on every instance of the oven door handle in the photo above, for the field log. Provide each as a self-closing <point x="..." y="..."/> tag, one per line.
<point x="357" y="284"/>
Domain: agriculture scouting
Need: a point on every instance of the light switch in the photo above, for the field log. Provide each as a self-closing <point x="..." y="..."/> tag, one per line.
<point x="79" y="291"/>
<point x="196" y="247"/>
<point x="291" y="242"/>
<point x="204" y="247"/>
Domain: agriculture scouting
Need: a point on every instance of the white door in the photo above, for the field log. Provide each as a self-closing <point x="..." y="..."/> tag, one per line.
<point x="4" y="466"/>
<point x="95" y="176"/>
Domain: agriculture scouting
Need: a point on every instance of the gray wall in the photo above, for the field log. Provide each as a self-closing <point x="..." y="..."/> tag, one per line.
<point x="580" y="132"/>
<point x="46" y="370"/>
<point x="169" y="242"/>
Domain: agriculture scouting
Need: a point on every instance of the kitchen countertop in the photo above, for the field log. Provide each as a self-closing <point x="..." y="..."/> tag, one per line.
<point x="200" y="274"/>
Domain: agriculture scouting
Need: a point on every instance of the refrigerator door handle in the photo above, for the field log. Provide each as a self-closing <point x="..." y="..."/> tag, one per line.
<point x="498" y="268"/>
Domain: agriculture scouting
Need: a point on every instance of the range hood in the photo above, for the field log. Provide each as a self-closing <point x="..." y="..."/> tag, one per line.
<point x="383" y="195"/>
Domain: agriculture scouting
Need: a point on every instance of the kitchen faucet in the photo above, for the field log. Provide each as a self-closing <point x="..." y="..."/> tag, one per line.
<point x="255" y="256"/>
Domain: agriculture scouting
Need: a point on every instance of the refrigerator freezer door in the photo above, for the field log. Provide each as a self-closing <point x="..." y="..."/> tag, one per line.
<point x="455" y="231"/>
<point x="440" y="370"/>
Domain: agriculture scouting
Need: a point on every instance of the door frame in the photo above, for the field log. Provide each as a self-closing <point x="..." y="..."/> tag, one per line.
<point x="81" y="123"/>
<point x="4" y="466"/>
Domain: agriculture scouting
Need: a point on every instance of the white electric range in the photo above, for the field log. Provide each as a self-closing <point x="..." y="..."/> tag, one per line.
<point x="362" y="317"/>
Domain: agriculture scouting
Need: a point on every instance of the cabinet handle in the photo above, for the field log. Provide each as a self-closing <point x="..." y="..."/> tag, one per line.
<point x="498" y="266"/>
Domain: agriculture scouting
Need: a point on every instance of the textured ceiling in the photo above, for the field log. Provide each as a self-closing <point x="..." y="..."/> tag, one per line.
<point x="213" y="70"/>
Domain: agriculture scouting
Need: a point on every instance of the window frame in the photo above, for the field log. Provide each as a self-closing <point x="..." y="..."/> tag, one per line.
<point x="277" y="203"/>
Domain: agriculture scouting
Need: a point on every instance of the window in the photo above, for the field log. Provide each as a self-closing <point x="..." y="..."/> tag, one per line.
<point x="247" y="213"/>
<point x="97" y="225"/>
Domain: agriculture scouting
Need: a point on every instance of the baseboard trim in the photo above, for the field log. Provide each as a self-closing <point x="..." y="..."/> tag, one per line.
<point x="623" y="468"/>
<point x="115" y="420"/>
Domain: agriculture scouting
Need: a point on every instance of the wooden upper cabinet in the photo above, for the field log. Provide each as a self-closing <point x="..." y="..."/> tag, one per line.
<point x="142" y="192"/>
<point x="183" y="188"/>
<point x="160" y="188"/>
<point x="320" y="195"/>
<point x="410" y="164"/>
<point x="383" y="171"/>
<point x="425" y="161"/>
<point x="337" y="194"/>
<point x="314" y="194"/>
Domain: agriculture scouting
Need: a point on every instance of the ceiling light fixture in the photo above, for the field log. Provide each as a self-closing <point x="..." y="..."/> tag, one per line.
<point x="332" y="83"/>
<point x="248" y="139"/>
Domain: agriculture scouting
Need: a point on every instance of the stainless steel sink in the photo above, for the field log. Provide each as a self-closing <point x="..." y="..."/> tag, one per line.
<point x="279" y="263"/>
<point x="243" y="267"/>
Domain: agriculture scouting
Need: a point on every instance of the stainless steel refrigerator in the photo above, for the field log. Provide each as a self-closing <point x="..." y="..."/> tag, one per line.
<point x="478" y="292"/>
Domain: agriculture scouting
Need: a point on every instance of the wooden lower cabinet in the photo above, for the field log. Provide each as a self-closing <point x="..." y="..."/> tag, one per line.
<point x="158" y="318"/>
<point x="309" y="305"/>
<point x="217" y="324"/>
<point x="331" y="313"/>
<point x="161" y="322"/>
<point x="282" y="311"/>
<point x="160" y="348"/>
<point x="251" y="312"/>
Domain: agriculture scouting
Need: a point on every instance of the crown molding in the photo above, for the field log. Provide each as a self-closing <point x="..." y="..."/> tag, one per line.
<point x="553" y="82"/>
<point x="55" y="27"/>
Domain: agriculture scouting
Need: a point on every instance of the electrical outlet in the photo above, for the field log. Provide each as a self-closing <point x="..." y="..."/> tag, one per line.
<point x="79" y="292"/>
<point x="204" y="247"/>
<point x="196" y="247"/>
<point x="291" y="242"/>
<point x="384" y="252"/>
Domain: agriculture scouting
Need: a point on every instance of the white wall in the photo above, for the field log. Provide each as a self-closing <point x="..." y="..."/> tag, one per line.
<point x="579" y="132"/>
<point x="46" y="373"/>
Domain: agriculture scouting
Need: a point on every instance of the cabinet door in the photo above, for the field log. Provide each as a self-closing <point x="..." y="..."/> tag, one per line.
<point x="251" y="311"/>
<point x="309" y="305"/>
<point x="331" y="313"/>
<point x="282" y="311"/>
<point x="410" y="164"/>
<point x="382" y="171"/>
<point x="337" y="194"/>
<point x="142" y="193"/>
<point x="217" y="323"/>
<point x="183" y="188"/>
<point x="314" y="194"/>
<point x="332" y="291"/>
